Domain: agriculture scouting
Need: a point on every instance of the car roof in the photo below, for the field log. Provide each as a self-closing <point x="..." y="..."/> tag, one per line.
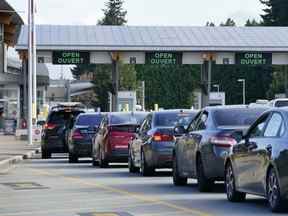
<point x="231" y="107"/>
<point x="176" y="111"/>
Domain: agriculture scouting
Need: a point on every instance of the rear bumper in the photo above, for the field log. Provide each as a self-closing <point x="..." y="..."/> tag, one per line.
<point x="159" y="158"/>
<point x="54" y="145"/>
<point x="118" y="155"/>
<point x="81" y="149"/>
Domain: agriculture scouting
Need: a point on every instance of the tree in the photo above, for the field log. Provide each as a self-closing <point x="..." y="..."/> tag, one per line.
<point x="253" y="22"/>
<point x="114" y="14"/>
<point x="275" y="12"/>
<point x="211" y="24"/>
<point x="229" y="22"/>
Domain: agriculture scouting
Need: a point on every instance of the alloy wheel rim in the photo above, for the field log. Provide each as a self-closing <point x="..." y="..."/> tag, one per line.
<point x="229" y="182"/>
<point x="272" y="189"/>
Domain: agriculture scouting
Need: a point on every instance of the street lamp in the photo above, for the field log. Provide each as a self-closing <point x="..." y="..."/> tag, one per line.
<point x="217" y="86"/>
<point x="244" y="89"/>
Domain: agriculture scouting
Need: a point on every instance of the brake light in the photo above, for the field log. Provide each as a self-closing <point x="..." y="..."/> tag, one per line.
<point x="77" y="134"/>
<point x="158" y="137"/>
<point x="49" y="126"/>
<point x="224" y="142"/>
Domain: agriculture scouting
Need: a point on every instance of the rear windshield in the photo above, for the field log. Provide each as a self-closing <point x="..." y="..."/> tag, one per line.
<point x="63" y="117"/>
<point x="281" y="103"/>
<point x="124" y="118"/>
<point x="236" y="117"/>
<point x="124" y="128"/>
<point x="172" y="119"/>
<point x="89" y="120"/>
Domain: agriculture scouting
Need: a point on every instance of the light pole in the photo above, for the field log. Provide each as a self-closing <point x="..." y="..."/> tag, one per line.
<point x="244" y="89"/>
<point x="217" y="86"/>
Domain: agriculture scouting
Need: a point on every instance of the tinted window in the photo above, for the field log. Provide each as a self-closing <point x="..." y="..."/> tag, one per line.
<point x="281" y="103"/>
<point x="171" y="119"/>
<point x="236" y="117"/>
<point x="273" y="126"/>
<point x="257" y="130"/>
<point x="62" y="117"/>
<point x="126" y="118"/>
<point x="202" y="124"/>
<point x="90" y="120"/>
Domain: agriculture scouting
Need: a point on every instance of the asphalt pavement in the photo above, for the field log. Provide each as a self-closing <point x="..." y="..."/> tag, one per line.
<point x="56" y="188"/>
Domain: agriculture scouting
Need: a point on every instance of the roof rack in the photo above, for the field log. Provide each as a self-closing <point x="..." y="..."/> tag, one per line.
<point x="72" y="105"/>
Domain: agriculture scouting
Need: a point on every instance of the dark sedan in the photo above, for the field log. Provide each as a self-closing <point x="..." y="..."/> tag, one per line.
<point x="81" y="135"/>
<point x="199" y="152"/>
<point x="258" y="164"/>
<point x="153" y="144"/>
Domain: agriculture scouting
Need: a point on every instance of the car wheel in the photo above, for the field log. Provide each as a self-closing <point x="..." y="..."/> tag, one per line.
<point x="103" y="163"/>
<point x="132" y="168"/>
<point x="73" y="158"/>
<point x="204" y="184"/>
<point x="232" y="194"/>
<point x="45" y="154"/>
<point x="94" y="162"/>
<point x="145" y="169"/>
<point x="177" y="179"/>
<point x="274" y="198"/>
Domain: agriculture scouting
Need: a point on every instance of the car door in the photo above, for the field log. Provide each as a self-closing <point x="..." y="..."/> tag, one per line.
<point x="182" y="147"/>
<point x="245" y="152"/>
<point x="263" y="152"/>
<point x="195" y="141"/>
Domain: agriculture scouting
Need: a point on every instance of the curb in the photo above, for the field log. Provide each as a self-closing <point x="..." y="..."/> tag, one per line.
<point x="10" y="163"/>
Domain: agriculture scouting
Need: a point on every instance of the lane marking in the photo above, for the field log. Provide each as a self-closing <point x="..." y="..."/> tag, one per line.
<point x="124" y="192"/>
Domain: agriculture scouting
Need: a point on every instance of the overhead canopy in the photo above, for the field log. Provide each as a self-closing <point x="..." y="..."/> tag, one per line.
<point x="12" y="23"/>
<point x="152" y="38"/>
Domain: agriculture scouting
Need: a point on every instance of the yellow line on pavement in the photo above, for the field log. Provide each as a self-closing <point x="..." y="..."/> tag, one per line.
<point x="124" y="192"/>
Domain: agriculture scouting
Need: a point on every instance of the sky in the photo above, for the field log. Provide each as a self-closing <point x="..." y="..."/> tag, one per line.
<point x="144" y="12"/>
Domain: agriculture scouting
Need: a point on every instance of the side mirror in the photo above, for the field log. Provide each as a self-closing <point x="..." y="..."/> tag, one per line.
<point x="179" y="130"/>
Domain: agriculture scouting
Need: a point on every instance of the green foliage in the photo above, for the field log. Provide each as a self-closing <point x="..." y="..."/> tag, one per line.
<point x="114" y="14"/>
<point x="211" y="24"/>
<point x="169" y="86"/>
<point x="229" y="22"/>
<point x="128" y="77"/>
<point x="252" y="22"/>
<point x="275" y="12"/>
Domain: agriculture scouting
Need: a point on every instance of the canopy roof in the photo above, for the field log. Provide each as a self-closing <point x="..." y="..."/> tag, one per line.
<point x="152" y="38"/>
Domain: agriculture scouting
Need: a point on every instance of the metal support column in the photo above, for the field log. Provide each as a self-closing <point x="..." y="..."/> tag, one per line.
<point x="204" y="84"/>
<point x="25" y="89"/>
<point x="115" y="83"/>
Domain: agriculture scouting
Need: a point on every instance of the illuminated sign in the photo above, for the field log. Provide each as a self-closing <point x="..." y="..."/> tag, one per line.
<point x="70" y="57"/>
<point x="163" y="58"/>
<point x="253" y="58"/>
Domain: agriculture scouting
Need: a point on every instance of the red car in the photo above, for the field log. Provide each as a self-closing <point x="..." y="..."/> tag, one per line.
<point x="115" y="132"/>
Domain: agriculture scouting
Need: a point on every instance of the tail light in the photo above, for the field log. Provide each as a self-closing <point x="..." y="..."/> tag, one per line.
<point x="49" y="126"/>
<point x="76" y="134"/>
<point x="224" y="142"/>
<point x="158" y="137"/>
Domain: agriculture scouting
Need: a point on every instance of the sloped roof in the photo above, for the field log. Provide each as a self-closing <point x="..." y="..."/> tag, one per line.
<point x="151" y="38"/>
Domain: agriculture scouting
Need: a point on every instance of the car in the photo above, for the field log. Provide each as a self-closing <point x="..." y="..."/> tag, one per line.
<point x="153" y="143"/>
<point x="199" y="152"/>
<point x="115" y="131"/>
<point x="54" y="133"/>
<point x="81" y="135"/>
<point x="258" y="163"/>
<point x="280" y="102"/>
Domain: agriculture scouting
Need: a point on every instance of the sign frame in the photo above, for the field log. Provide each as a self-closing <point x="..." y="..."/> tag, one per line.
<point x="163" y="58"/>
<point x="254" y="58"/>
<point x="70" y="57"/>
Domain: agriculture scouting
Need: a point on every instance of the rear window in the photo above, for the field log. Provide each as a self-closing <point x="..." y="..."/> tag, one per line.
<point x="90" y="120"/>
<point x="236" y="117"/>
<point x="281" y="103"/>
<point x="62" y="117"/>
<point x="123" y="118"/>
<point x="140" y="117"/>
<point x="125" y="128"/>
<point x="172" y="119"/>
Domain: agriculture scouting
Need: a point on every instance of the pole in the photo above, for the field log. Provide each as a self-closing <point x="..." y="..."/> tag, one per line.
<point x="115" y="83"/>
<point x="244" y="91"/>
<point x="143" y="95"/>
<point x="34" y="59"/>
<point x="30" y="70"/>
<point x="209" y="79"/>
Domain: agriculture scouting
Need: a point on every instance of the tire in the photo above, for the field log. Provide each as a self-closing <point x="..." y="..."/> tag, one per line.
<point x="145" y="169"/>
<point x="103" y="163"/>
<point x="45" y="154"/>
<point x="177" y="179"/>
<point x="73" y="158"/>
<point x="94" y="162"/>
<point x="132" y="168"/>
<point x="232" y="194"/>
<point x="204" y="184"/>
<point x="275" y="201"/>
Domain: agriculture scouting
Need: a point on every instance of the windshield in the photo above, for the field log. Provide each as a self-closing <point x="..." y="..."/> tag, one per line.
<point x="89" y="120"/>
<point x="172" y="119"/>
<point x="126" y="118"/>
<point x="63" y="117"/>
<point x="283" y="103"/>
<point x="236" y="117"/>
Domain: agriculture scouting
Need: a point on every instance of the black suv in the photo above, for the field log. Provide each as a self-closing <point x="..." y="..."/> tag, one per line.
<point x="59" y="120"/>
